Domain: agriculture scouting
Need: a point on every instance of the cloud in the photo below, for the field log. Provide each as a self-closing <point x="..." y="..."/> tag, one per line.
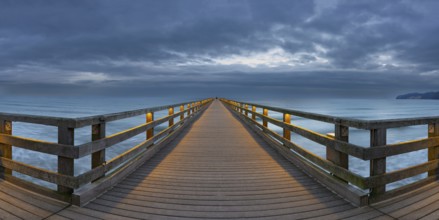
<point x="109" y="44"/>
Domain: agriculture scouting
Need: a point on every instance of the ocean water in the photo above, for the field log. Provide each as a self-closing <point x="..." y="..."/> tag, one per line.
<point x="353" y="108"/>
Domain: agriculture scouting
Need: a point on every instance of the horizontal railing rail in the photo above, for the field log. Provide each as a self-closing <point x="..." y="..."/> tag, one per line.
<point x="351" y="122"/>
<point x="71" y="187"/>
<point x="334" y="169"/>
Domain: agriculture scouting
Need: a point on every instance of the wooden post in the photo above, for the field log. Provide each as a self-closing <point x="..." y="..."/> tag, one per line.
<point x="182" y="112"/>
<point x="433" y="151"/>
<point x="5" y="149"/>
<point x="339" y="158"/>
<point x="171" y="120"/>
<point x="98" y="132"/>
<point x="253" y="114"/>
<point x="264" y="121"/>
<point x="246" y="110"/>
<point x="287" y="132"/>
<point x="66" y="166"/>
<point x="149" y="118"/>
<point x="378" y="166"/>
<point x="188" y="110"/>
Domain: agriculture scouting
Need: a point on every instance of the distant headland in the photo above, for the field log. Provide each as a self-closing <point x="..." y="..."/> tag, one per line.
<point x="427" y="95"/>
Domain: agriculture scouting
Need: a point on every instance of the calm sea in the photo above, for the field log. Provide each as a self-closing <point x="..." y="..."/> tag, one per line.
<point x="353" y="108"/>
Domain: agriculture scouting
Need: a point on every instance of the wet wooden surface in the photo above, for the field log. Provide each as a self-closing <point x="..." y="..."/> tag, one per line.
<point x="217" y="169"/>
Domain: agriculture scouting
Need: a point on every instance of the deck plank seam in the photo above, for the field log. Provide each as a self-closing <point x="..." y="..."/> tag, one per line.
<point x="57" y="212"/>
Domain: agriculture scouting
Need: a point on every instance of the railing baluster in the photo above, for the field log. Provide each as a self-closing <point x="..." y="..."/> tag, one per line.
<point x="181" y="112"/>
<point x="171" y="112"/>
<point x="378" y="137"/>
<point x="66" y="166"/>
<point x="287" y="133"/>
<point x="149" y="118"/>
<point x="98" y="132"/>
<point x="5" y="149"/>
<point x="341" y="159"/>
<point x="264" y="121"/>
<point x="188" y="110"/>
<point x="433" y="151"/>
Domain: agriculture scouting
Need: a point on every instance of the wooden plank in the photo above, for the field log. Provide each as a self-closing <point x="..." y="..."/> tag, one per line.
<point x="124" y="157"/>
<point x="37" y="189"/>
<point x="39" y="146"/>
<point x="46" y="175"/>
<point x="328" y="166"/>
<point x="94" y="146"/>
<point x="390" y="177"/>
<point x="4" y="214"/>
<point x="89" y="192"/>
<point x="351" y="194"/>
<point x="406" y="189"/>
<point x="86" y="121"/>
<point x="342" y="146"/>
<point x="35" y="211"/>
<point x="20" y="213"/>
<point x="37" y="119"/>
<point x="349" y="122"/>
<point x="400" y="148"/>
<point x="66" y="166"/>
<point x="5" y="149"/>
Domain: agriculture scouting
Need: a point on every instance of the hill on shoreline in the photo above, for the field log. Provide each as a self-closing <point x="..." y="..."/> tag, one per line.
<point x="427" y="95"/>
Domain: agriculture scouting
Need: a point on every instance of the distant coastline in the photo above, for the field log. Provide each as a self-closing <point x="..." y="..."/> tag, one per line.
<point x="427" y="95"/>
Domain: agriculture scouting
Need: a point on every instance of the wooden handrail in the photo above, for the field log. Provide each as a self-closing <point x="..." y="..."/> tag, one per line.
<point x="335" y="165"/>
<point x="79" y="122"/>
<point x="350" y="122"/>
<point x="67" y="151"/>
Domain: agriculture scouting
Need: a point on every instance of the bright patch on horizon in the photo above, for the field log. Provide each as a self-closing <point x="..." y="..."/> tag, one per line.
<point x="272" y="58"/>
<point x="88" y="76"/>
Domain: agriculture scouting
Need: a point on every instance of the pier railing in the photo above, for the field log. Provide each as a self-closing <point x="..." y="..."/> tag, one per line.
<point x="333" y="171"/>
<point x="103" y="174"/>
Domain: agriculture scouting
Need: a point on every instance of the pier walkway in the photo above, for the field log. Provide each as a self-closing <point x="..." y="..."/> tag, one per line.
<point x="217" y="168"/>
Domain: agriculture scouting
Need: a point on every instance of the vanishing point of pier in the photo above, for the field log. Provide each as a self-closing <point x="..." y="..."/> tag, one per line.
<point x="217" y="159"/>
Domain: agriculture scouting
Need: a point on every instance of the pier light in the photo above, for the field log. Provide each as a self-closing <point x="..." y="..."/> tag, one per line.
<point x="171" y="112"/>
<point x="182" y="112"/>
<point x="287" y="132"/>
<point x="264" y="121"/>
<point x="149" y="118"/>
<point x="188" y="109"/>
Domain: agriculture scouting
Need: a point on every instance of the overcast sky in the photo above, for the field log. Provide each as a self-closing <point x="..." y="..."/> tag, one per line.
<point x="273" y="48"/>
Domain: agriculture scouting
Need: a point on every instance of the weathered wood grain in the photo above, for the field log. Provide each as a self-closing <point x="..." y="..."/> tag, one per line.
<point x="350" y="122"/>
<point x="218" y="168"/>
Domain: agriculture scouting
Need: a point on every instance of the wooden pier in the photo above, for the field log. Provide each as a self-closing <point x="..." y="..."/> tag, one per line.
<point x="215" y="160"/>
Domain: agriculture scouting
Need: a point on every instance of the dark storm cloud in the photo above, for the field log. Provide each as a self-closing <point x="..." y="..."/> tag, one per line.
<point x="320" y="47"/>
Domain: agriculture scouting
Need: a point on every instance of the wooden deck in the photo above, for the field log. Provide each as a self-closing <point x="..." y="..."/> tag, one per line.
<point x="217" y="168"/>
